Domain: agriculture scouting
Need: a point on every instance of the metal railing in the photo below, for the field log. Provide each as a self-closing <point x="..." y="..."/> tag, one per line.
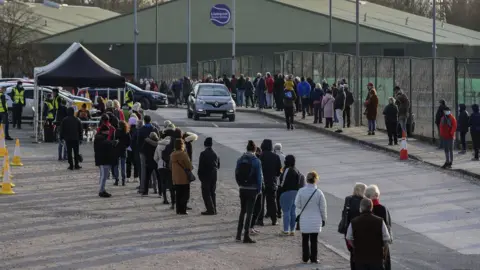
<point x="166" y="72"/>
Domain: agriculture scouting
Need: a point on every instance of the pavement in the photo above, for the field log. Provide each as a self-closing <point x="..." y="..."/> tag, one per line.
<point x="57" y="221"/>
<point x="417" y="149"/>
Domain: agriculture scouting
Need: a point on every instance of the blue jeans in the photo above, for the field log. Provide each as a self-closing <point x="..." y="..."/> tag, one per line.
<point x="240" y="97"/>
<point x="62" y="146"/>
<point x="104" y="171"/>
<point x="123" y="168"/>
<point x="287" y="203"/>
<point x="372" y="124"/>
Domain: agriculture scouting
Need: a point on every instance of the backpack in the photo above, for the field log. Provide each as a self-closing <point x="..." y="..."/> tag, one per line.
<point x="166" y="153"/>
<point x="288" y="98"/>
<point x="244" y="172"/>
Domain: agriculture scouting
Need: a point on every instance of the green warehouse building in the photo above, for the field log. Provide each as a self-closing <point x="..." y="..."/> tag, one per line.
<point x="262" y="28"/>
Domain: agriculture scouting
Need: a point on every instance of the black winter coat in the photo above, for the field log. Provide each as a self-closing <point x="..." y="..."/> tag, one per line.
<point x="271" y="164"/>
<point x="241" y="83"/>
<point x="148" y="149"/>
<point x="249" y="89"/>
<point x="439" y="114"/>
<point x="340" y="101"/>
<point x="112" y="118"/>
<point x="391" y="113"/>
<point x="123" y="142"/>
<point x="71" y="128"/>
<point x="349" y="100"/>
<point x="208" y="165"/>
<point x="103" y="149"/>
<point x="143" y="134"/>
<point x="463" y="119"/>
<point x="354" y="207"/>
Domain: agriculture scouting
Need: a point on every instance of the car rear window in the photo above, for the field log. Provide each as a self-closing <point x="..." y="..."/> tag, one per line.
<point x="213" y="90"/>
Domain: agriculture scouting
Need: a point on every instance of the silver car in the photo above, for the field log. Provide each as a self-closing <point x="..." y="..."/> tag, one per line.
<point x="210" y="98"/>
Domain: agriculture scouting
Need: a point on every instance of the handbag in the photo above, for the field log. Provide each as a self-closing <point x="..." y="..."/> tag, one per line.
<point x="188" y="172"/>
<point x="342" y="226"/>
<point x="297" y="219"/>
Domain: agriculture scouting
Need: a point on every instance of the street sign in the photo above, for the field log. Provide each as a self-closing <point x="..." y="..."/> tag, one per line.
<point x="220" y="15"/>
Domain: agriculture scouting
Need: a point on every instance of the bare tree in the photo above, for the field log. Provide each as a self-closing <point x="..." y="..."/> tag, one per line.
<point x="18" y="27"/>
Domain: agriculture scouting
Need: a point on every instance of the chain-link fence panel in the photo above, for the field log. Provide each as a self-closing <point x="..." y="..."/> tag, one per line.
<point x="307" y="64"/>
<point x="278" y="61"/>
<point x="421" y="100"/>
<point x="342" y="67"/>
<point x="384" y="86"/>
<point x="318" y="73"/>
<point x="288" y="63"/>
<point x="297" y="67"/>
<point x="223" y="66"/>
<point x="329" y="70"/>
<point x="468" y="81"/>
<point x="444" y="87"/>
<point x="402" y="74"/>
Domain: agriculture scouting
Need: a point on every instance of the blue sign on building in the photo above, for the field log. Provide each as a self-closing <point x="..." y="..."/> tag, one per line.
<point x="220" y="15"/>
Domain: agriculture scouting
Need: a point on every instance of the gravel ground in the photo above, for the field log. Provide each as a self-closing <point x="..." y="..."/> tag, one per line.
<point x="57" y="221"/>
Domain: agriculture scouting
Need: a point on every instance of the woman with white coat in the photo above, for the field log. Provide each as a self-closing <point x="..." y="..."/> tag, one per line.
<point x="312" y="208"/>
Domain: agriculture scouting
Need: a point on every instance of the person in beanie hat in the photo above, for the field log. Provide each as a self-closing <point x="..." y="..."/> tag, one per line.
<point x="208" y="165"/>
<point x="448" y="127"/>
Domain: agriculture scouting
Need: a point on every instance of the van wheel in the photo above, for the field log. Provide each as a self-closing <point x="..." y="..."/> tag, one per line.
<point x="145" y="103"/>
<point x="189" y="114"/>
<point x="231" y="118"/>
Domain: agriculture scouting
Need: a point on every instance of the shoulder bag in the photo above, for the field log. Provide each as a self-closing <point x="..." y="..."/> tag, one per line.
<point x="190" y="175"/>
<point x="343" y="225"/>
<point x="297" y="220"/>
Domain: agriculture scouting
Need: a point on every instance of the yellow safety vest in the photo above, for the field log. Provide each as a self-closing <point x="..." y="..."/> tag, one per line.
<point x="50" y="110"/>
<point x="127" y="99"/>
<point x="56" y="102"/>
<point x="18" y="98"/>
<point x="2" y="109"/>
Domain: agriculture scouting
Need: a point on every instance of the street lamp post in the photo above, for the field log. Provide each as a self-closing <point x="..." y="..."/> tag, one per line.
<point x="189" y="37"/>
<point x="156" y="42"/>
<point x="434" y="56"/>
<point x="135" y="34"/>
<point x="330" y="26"/>
<point x="357" y="64"/>
<point x="233" y="38"/>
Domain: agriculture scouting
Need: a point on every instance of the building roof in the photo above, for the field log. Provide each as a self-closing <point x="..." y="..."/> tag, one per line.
<point x="389" y="20"/>
<point x="56" y="18"/>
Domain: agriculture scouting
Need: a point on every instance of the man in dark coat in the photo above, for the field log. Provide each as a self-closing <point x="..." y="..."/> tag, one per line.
<point x="186" y="88"/>
<point x="278" y="87"/>
<point x="348" y="106"/>
<point x="71" y="132"/>
<point x="271" y="168"/>
<point x="208" y="165"/>
<point x="462" y="127"/>
<point x="438" y="117"/>
<point x="142" y="134"/>
<point x="339" y="107"/>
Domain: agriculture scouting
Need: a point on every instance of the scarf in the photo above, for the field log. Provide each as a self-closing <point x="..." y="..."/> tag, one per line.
<point x="376" y="202"/>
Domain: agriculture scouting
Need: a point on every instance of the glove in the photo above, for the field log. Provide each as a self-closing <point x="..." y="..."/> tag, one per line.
<point x="323" y="223"/>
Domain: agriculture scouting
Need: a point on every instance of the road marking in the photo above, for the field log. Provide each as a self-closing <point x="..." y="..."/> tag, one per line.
<point x="215" y="125"/>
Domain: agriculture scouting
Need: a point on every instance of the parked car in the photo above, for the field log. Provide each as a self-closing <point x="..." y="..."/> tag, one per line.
<point x="149" y="99"/>
<point x="208" y="99"/>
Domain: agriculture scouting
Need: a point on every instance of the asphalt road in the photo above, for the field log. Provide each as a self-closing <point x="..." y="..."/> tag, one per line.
<point x="436" y="214"/>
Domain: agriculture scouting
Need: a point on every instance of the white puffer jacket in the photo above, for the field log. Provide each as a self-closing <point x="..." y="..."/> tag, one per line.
<point x="158" y="151"/>
<point x="315" y="211"/>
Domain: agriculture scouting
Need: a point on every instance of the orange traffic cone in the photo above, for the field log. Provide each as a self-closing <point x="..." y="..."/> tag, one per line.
<point x="404" y="151"/>
<point x="16" y="160"/>
<point x="3" y="147"/>
<point x="7" y="183"/>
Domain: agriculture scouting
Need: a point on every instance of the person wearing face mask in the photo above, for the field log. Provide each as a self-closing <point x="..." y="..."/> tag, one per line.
<point x="448" y="127"/>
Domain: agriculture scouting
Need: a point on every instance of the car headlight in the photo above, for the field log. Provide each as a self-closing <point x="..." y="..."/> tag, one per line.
<point x="201" y="102"/>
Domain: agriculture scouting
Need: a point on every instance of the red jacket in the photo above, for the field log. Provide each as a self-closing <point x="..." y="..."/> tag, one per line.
<point x="270" y="83"/>
<point x="448" y="127"/>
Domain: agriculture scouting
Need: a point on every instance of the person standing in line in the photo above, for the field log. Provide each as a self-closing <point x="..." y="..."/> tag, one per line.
<point x="269" y="91"/>
<point x="248" y="174"/>
<point x="448" y="127"/>
<point x="151" y="166"/>
<point x="123" y="137"/>
<point x="462" y="127"/>
<point x="369" y="237"/>
<point x="186" y="88"/>
<point x="390" y="112"/>
<point x="372" y="107"/>
<point x="62" y="146"/>
<point x="271" y="169"/>
<point x="260" y="88"/>
<point x="163" y="171"/>
<point x="311" y="203"/>
<point x="474" y="123"/>
<point x="328" y="103"/>
<point x="289" y="99"/>
<point x="373" y="193"/>
<point x="349" y="100"/>
<point x="438" y="117"/>
<point x="117" y="110"/>
<point x="4" y="113"/>
<point x="304" y="89"/>
<point x="18" y="104"/>
<point x="241" y="85"/>
<point x="130" y="162"/>
<point x="339" y="106"/>
<point x="249" y="89"/>
<point x="258" y="210"/>
<point x="208" y="166"/>
<point x="317" y="97"/>
<point x="103" y="145"/>
<point x="351" y="210"/>
<point x="277" y="149"/>
<point x="403" y="104"/>
<point x="179" y="164"/>
<point x="312" y="87"/>
<point x="142" y="134"/>
<point x="71" y="132"/>
<point x="291" y="181"/>
<point x="278" y="88"/>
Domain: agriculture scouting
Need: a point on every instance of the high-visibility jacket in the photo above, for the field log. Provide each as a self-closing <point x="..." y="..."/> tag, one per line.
<point x="50" y="111"/>
<point x="56" y="103"/>
<point x="2" y="109"/>
<point x="129" y="98"/>
<point x="19" y="96"/>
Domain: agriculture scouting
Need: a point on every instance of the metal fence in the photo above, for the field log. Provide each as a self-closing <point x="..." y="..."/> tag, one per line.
<point x="166" y="72"/>
<point x="246" y="65"/>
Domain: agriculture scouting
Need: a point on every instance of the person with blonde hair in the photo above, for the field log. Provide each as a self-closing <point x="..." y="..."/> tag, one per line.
<point x="117" y="110"/>
<point x="391" y="120"/>
<point x="351" y="210"/>
<point x="312" y="208"/>
<point x="373" y="193"/>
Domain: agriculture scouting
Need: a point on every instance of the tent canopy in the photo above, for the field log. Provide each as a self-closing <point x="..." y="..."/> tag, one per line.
<point x="78" y="67"/>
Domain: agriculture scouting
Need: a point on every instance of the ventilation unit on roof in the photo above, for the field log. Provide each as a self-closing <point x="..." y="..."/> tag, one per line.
<point x="51" y="4"/>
